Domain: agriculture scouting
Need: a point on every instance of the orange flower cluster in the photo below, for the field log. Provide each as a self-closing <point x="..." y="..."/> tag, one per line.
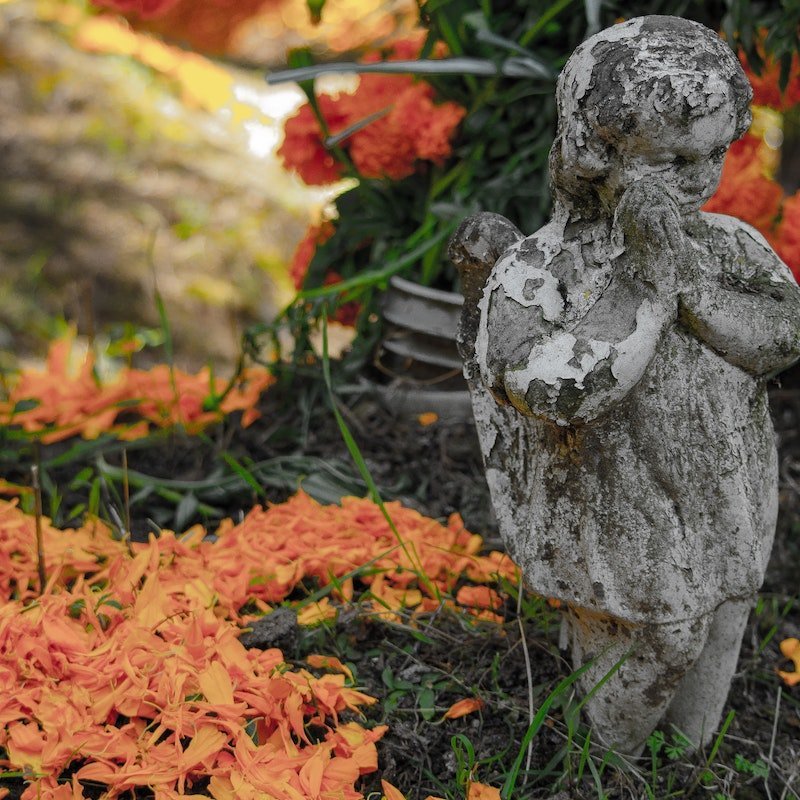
<point x="302" y="540"/>
<point x="128" y="670"/>
<point x="746" y="191"/>
<point x="766" y="86"/>
<point x="57" y="402"/>
<point x="408" y="127"/>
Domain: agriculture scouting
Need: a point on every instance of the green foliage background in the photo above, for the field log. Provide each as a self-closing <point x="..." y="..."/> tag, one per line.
<point x="513" y="51"/>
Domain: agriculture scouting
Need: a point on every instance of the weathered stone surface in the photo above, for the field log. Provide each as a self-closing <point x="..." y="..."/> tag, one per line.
<point x="617" y="360"/>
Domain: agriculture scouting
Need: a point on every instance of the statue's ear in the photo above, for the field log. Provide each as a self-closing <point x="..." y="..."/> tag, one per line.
<point x="583" y="151"/>
<point x="578" y="157"/>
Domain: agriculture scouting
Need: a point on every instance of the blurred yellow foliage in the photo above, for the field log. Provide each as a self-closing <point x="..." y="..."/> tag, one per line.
<point x="768" y="127"/>
<point x="214" y="291"/>
<point x="203" y="84"/>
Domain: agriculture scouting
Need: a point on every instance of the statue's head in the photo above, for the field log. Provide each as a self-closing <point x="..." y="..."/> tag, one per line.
<point x="652" y="96"/>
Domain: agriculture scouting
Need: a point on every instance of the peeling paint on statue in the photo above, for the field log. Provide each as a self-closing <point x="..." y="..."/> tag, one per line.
<point x="617" y="360"/>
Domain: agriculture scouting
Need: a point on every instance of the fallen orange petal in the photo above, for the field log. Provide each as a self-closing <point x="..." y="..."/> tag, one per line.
<point x="316" y="613"/>
<point x="464" y="707"/>
<point x="215" y="684"/>
<point x="480" y="791"/>
<point x="331" y="663"/>
<point x="391" y="792"/>
<point x="790" y="648"/>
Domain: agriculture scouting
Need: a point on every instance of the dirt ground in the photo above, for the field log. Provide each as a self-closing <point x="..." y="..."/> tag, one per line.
<point x="413" y="668"/>
<point x="437" y="469"/>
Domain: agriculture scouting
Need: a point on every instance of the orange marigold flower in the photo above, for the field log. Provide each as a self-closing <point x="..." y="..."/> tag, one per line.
<point x="407" y="48"/>
<point x="382" y="150"/>
<point x="431" y="126"/>
<point x="376" y="92"/>
<point x="787" y="240"/>
<point x="303" y="150"/>
<point x="415" y="129"/>
<point x="410" y="127"/>
<point x="745" y="191"/>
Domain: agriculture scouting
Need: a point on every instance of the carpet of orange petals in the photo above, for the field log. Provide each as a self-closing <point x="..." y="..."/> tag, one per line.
<point x="60" y="401"/>
<point x="127" y="671"/>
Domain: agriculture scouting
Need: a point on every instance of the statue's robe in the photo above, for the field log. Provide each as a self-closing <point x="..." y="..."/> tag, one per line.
<point x="652" y="498"/>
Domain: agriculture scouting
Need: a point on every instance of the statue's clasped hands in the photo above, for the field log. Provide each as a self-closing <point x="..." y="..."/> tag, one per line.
<point x="649" y="221"/>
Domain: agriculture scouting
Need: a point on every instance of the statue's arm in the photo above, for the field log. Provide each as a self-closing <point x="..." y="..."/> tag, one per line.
<point x="474" y="249"/>
<point x="573" y="374"/>
<point x="751" y="316"/>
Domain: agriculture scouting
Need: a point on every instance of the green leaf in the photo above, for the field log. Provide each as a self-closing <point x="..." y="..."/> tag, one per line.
<point x="244" y="474"/>
<point x="358" y="458"/>
<point x="426" y="703"/>
<point x="507" y="791"/>
<point x="378" y="276"/>
<point x="526" y="67"/>
<point x="185" y="511"/>
<point x="437" y="66"/>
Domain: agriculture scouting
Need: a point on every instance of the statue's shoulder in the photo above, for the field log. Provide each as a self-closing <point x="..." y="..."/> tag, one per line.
<point x="722" y="228"/>
<point x="738" y="248"/>
<point x="534" y="253"/>
<point x="529" y="274"/>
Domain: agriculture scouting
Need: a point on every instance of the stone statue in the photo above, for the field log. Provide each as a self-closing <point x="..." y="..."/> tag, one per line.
<point x="617" y="360"/>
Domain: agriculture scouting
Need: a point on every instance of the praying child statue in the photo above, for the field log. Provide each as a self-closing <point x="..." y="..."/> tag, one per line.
<point x="618" y="360"/>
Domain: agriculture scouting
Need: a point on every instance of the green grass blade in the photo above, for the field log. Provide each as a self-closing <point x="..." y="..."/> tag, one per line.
<point x="507" y="791"/>
<point x="377" y="276"/>
<point x="358" y="458"/>
<point x="243" y="473"/>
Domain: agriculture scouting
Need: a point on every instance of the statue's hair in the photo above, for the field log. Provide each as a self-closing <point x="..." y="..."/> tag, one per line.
<point x="633" y="80"/>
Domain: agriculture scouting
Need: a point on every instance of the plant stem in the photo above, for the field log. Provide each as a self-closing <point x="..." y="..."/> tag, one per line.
<point x="37" y="496"/>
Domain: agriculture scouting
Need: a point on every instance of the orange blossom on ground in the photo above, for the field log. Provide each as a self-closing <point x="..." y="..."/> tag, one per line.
<point x="65" y="399"/>
<point x="128" y="667"/>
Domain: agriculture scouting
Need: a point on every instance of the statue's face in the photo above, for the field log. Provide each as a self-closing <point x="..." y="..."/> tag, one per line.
<point x="688" y="157"/>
